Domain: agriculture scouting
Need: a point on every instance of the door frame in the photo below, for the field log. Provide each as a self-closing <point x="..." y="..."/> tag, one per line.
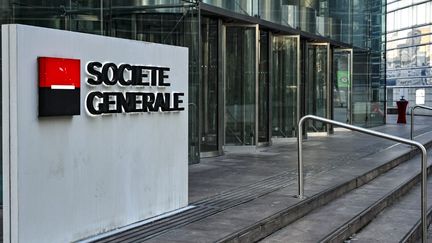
<point x="223" y="75"/>
<point x="269" y="93"/>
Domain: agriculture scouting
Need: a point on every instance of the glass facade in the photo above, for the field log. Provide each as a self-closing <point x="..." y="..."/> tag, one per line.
<point x="409" y="52"/>
<point x="255" y="66"/>
<point x="172" y="22"/>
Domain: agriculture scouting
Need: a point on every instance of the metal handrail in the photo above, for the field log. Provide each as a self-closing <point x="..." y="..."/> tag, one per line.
<point x="376" y="134"/>
<point x="412" y="117"/>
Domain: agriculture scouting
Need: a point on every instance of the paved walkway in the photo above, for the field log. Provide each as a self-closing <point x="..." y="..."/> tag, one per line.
<point x="236" y="193"/>
<point x="219" y="187"/>
<point x="240" y="189"/>
<point x="223" y="173"/>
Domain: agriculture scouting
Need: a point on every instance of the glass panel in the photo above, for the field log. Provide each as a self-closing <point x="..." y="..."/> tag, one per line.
<point x="360" y="23"/>
<point x="240" y="85"/>
<point x="209" y="85"/>
<point x="308" y="15"/>
<point x="316" y="85"/>
<point x="289" y="13"/>
<point x="342" y="85"/>
<point x="270" y="10"/>
<point x="377" y="64"/>
<point x="174" y="26"/>
<point x="361" y="90"/>
<point x="263" y="89"/>
<point x="88" y="16"/>
<point x="326" y="18"/>
<point x="284" y="86"/>
<point x="246" y="7"/>
<point x="341" y="20"/>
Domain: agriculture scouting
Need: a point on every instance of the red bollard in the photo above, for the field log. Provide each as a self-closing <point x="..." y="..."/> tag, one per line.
<point x="402" y="105"/>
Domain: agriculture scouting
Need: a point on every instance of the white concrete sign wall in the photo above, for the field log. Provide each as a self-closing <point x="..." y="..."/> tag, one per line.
<point x="69" y="177"/>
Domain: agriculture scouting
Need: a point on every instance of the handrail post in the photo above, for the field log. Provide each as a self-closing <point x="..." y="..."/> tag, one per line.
<point x="424" y="194"/>
<point x="300" y="160"/>
<point x="376" y="134"/>
<point x="412" y="117"/>
<point x="412" y="123"/>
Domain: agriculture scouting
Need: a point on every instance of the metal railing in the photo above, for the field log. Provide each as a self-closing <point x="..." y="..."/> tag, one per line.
<point x="376" y="134"/>
<point x="412" y="117"/>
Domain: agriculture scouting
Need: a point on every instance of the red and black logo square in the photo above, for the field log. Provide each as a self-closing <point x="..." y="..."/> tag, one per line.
<point x="59" y="86"/>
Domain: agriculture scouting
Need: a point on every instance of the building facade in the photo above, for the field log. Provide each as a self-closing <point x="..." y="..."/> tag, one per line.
<point x="409" y="52"/>
<point x="255" y="66"/>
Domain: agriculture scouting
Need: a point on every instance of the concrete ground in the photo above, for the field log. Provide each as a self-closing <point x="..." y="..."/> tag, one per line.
<point x="324" y="158"/>
<point x="218" y="174"/>
<point x="266" y="179"/>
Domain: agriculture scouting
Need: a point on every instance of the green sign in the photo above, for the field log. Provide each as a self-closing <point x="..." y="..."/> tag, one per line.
<point x="343" y="79"/>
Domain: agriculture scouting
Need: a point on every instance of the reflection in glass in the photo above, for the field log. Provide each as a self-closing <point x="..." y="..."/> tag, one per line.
<point x="284" y="86"/>
<point x="270" y="10"/>
<point x="246" y="7"/>
<point x="360" y="23"/>
<point x="174" y="26"/>
<point x="308" y="15"/>
<point x="341" y="20"/>
<point x="316" y="85"/>
<point x="342" y="85"/>
<point x="360" y="89"/>
<point x="240" y="85"/>
<point x="176" y="22"/>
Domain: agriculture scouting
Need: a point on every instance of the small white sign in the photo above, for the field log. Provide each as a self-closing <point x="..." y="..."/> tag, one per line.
<point x="420" y="96"/>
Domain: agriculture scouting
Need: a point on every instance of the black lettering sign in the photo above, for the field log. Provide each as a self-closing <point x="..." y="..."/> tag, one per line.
<point x="105" y="74"/>
<point x="90" y="102"/>
<point x="121" y="73"/>
<point x="91" y="69"/>
<point x="138" y="75"/>
<point x="110" y="74"/>
<point x="119" y="102"/>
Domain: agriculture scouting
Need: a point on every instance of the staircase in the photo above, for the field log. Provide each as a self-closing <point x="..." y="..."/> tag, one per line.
<point x="375" y="199"/>
<point x="385" y="209"/>
<point x="381" y="210"/>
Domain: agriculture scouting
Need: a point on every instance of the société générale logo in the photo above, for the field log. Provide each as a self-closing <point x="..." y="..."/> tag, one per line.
<point x="60" y="79"/>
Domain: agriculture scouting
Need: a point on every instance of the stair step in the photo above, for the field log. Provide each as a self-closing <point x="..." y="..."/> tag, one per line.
<point x="261" y="217"/>
<point x="347" y="214"/>
<point x="254" y="216"/>
<point x="398" y="223"/>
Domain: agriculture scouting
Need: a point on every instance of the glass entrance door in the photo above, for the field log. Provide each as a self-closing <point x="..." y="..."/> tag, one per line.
<point x="241" y="78"/>
<point x="210" y="117"/>
<point x="285" y="85"/>
<point x="317" y="84"/>
<point x="342" y="83"/>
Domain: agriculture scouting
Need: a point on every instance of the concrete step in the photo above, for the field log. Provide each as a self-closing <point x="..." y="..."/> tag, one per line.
<point x="250" y="216"/>
<point x="400" y="222"/>
<point x="342" y="217"/>
<point x="323" y="197"/>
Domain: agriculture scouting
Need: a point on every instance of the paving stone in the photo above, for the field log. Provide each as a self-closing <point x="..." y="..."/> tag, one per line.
<point x="329" y="161"/>
<point x="316" y="225"/>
